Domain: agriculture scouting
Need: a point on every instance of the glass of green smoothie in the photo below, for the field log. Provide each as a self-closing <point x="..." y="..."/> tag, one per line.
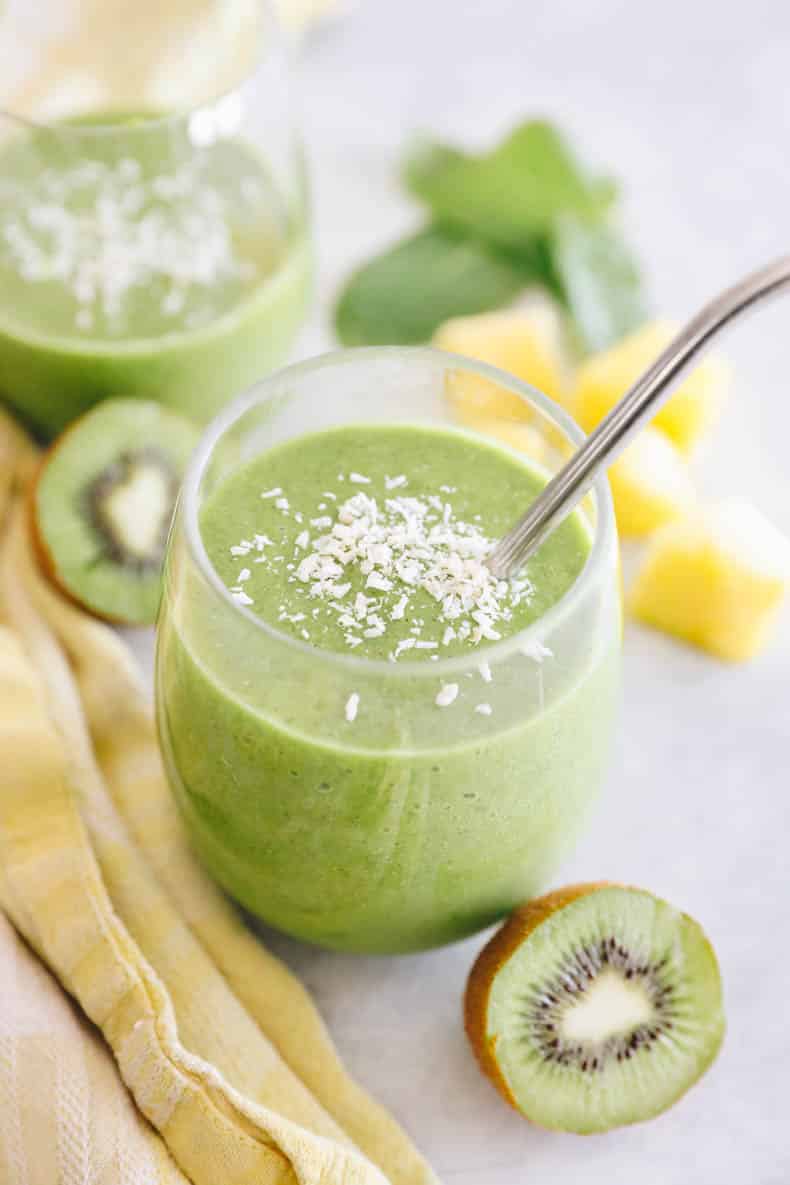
<point x="376" y="745"/>
<point x="153" y="209"/>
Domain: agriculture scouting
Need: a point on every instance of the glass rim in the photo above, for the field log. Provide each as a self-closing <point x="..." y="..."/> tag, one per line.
<point x="603" y="531"/>
<point x="174" y="115"/>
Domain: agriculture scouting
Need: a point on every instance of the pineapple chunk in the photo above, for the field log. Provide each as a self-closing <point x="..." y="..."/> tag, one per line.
<point x="518" y="434"/>
<point x="715" y="578"/>
<point x="651" y="484"/>
<point x="603" y="379"/>
<point x="525" y="342"/>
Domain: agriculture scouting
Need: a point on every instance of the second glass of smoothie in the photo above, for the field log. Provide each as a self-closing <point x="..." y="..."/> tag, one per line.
<point x="375" y="745"/>
<point x="154" y="229"/>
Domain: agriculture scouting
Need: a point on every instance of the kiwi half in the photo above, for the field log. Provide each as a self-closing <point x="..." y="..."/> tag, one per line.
<point x="102" y="505"/>
<point x="594" y="1007"/>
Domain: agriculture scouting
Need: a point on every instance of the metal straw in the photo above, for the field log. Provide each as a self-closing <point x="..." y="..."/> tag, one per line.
<point x="640" y="403"/>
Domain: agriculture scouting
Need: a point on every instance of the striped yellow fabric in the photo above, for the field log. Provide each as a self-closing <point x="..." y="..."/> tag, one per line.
<point x="220" y="1046"/>
<point x="65" y="1115"/>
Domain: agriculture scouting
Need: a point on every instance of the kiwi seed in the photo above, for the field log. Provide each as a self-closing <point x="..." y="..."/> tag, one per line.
<point x="141" y="553"/>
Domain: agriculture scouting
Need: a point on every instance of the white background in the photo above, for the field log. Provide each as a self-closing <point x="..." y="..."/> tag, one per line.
<point x="689" y="104"/>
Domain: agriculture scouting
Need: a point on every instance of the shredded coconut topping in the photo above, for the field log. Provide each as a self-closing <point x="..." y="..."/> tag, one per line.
<point x="398" y="548"/>
<point x="352" y="707"/>
<point x="105" y="231"/>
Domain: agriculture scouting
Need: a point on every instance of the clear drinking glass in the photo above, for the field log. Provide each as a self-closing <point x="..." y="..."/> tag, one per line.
<point x="421" y="825"/>
<point x="153" y="210"/>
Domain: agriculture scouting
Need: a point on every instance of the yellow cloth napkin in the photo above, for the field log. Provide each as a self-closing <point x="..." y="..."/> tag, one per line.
<point x="219" y="1044"/>
<point x="65" y="1115"/>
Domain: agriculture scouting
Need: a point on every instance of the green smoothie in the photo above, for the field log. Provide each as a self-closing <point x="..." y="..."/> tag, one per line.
<point x="300" y="493"/>
<point x="134" y="260"/>
<point x="377" y="769"/>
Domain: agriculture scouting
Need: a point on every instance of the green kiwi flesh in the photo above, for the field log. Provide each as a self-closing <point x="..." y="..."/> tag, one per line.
<point x="596" y="1007"/>
<point x="103" y="502"/>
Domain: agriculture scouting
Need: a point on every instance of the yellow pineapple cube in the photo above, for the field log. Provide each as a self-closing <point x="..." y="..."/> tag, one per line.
<point x="651" y="484"/>
<point x="603" y="379"/>
<point x="525" y="342"/>
<point x="518" y="434"/>
<point x="716" y="578"/>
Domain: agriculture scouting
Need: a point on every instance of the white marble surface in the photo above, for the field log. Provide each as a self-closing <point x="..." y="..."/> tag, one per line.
<point x="689" y="104"/>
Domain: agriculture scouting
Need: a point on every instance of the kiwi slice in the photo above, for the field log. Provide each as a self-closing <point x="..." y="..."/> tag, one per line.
<point x="102" y="505"/>
<point x="595" y="1006"/>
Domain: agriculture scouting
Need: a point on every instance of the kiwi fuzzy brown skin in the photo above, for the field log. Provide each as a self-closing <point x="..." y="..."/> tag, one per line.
<point x="492" y="957"/>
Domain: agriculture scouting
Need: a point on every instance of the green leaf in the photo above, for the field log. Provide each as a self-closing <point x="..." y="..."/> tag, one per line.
<point x="599" y="280"/>
<point x="511" y="194"/>
<point x="402" y="296"/>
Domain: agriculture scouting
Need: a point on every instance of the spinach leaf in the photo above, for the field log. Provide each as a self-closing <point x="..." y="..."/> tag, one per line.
<point x="525" y="213"/>
<point x="509" y="195"/>
<point x="599" y="281"/>
<point x="403" y="295"/>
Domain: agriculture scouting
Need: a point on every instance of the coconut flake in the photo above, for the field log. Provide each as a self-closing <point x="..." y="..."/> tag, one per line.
<point x="377" y="581"/>
<point x="446" y="695"/>
<point x="398" y="609"/>
<point x="536" y="651"/>
<point x="352" y="707"/>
